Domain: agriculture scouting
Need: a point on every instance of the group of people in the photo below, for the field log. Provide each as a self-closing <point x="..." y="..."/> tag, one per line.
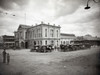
<point x="6" y="57"/>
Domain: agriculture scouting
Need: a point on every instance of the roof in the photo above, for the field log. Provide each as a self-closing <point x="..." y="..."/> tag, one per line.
<point x="24" y="26"/>
<point x="87" y="38"/>
<point x="64" y="34"/>
<point x="91" y="38"/>
<point x="45" y="25"/>
<point x="7" y="36"/>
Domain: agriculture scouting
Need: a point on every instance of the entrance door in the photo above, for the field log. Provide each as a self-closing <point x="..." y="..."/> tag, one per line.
<point x="22" y="44"/>
<point x="26" y="45"/>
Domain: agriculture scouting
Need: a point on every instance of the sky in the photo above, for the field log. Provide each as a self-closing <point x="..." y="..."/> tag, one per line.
<point x="69" y="14"/>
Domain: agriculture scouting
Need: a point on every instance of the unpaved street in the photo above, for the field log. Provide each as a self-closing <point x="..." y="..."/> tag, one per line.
<point x="24" y="62"/>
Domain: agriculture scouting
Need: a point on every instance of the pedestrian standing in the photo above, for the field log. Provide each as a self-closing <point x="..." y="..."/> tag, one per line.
<point x="4" y="55"/>
<point x="8" y="58"/>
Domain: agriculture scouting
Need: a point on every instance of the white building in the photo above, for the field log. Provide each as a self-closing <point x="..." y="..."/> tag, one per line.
<point x="42" y="34"/>
<point x="66" y="38"/>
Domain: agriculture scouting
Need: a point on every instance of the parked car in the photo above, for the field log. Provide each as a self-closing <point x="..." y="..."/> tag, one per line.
<point x="35" y="48"/>
<point x="44" y="48"/>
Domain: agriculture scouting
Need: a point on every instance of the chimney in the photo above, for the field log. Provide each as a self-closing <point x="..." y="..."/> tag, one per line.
<point x="59" y="25"/>
<point x="36" y="24"/>
<point x="41" y="22"/>
<point x="48" y="23"/>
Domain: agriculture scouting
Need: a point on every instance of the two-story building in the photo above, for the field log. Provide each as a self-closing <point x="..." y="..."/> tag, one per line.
<point x="8" y="41"/>
<point x="43" y="34"/>
<point x="1" y="42"/>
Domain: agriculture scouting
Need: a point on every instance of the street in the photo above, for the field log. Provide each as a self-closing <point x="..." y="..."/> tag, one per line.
<point x="24" y="62"/>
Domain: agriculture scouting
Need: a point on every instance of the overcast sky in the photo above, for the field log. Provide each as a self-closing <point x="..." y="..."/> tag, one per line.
<point x="69" y="14"/>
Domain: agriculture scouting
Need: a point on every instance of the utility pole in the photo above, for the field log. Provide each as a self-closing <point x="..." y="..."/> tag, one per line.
<point x="25" y="18"/>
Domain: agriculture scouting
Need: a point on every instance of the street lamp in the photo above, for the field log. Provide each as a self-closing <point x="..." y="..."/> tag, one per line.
<point x="88" y="7"/>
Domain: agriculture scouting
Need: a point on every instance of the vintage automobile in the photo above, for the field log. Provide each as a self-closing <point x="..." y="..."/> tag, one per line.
<point x="44" y="48"/>
<point x="65" y="48"/>
<point x="73" y="47"/>
<point x="35" y="48"/>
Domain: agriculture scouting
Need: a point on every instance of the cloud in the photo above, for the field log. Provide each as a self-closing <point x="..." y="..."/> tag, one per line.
<point x="81" y="21"/>
<point x="70" y="14"/>
<point x="66" y="7"/>
<point x="80" y="16"/>
<point x="12" y="4"/>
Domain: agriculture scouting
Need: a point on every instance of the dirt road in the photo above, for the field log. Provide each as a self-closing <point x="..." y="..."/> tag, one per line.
<point x="24" y="62"/>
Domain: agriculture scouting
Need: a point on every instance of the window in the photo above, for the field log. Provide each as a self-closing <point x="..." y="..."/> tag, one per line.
<point x="52" y="42"/>
<point x="45" y="42"/>
<point x="37" y="32"/>
<point x="64" y="42"/>
<point x="33" y="33"/>
<point x="57" y="33"/>
<point x="52" y="32"/>
<point x="45" y="32"/>
<point x="57" y="43"/>
<point x="41" y="42"/>
<point x="30" y="34"/>
<point x="61" y="42"/>
<point x="38" y="42"/>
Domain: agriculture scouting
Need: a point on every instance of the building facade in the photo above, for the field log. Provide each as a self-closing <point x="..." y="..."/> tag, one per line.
<point x="66" y="38"/>
<point x="41" y="34"/>
<point x="1" y="42"/>
<point x="20" y="36"/>
<point x="8" y="41"/>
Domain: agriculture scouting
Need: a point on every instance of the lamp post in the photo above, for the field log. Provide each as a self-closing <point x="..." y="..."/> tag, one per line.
<point x="88" y="7"/>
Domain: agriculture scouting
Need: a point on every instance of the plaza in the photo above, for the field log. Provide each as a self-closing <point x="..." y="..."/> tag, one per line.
<point x="24" y="62"/>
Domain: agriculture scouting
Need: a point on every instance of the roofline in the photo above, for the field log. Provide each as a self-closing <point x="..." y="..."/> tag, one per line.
<point x="44" y="25"/>
<point x="67" y="34"/>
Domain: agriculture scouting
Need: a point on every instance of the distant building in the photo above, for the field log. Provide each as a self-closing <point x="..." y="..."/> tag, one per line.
<point x="1" y="42"/>
<point x="66" y="38"/>
<point x="87" y="39"/>
<point x="8" y="41"/>
<point x="41" y="34"/>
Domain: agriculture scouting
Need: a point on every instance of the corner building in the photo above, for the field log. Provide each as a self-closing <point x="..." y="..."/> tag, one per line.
<point x="42" y="34"/>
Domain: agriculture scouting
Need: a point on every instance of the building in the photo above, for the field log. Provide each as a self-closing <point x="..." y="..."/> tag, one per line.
<point x="41" y="34"/>
<point x="66" y="38"/>
<point x="20" y="36"/>
<point x="8" y="41"/>
<point x="87" y="39"/>
<point x="1" y="42"/>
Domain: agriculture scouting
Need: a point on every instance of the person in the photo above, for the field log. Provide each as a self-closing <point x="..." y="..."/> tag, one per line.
<point x="8" y="58"/>
<point x="4" y="56"/>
